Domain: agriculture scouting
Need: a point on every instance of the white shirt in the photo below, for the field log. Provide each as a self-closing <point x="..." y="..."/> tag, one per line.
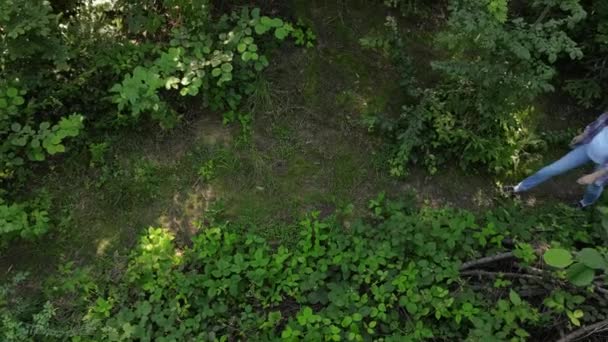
<point x="597" y="149"/>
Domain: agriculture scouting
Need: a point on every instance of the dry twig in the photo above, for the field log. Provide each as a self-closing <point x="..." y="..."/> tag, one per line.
<point x="586" y="331"/>
<point x="480" y="273"/>
<point x="487" y="260"/>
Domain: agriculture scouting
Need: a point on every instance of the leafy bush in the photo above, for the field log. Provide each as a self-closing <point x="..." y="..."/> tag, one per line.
<point x="217" y="60"/>
<point x="33" y="122"/>
<point x="587" y="80"/>
<point x="30" y="40"/>
<point x="581" y="272"/>
<point x="480" y="109"/>
<point x="402" y="274"/>
<point x="26" y="140"/>
<point x="137" y="55"/>
<point x="13" y="327"/>
<point x="25" y="219"/>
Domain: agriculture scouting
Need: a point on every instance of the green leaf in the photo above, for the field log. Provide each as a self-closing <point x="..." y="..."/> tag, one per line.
<point x="276" y="22"/>
<point x="574" y="316"/>
<point x="54" y="149"/>
<point x="128" y="329"/>
<point x="274" y="317"/>
<point x="264" y="61"/>
<point x="16" y="127"/>
<point x="347" y="321"/>
<point x="3" y="103"/>
<point x="305" y="316"/>
<point x="216" y="72"/>
<point x="592" y="259"/>
<point x="499" y="9"/>
<point x="558" y="257"/>
<point x="241" y="47"/>
<point x="281" y="33"/>
<point x="412" y="308"/>
<point x="37" y="156"/>
<point x="171" y="82"/>
<point x="261" y="29"/>
<point x="266" y="21"/>
<point x="521" y="52"/>
<point x="227" y="67"/>
<point x="515" y="298"/>
<point x="226" y="77"/>
<point x="580" y="275"/>
<point x="12" y="92"/>
<point x="20" y="141"/>
<point x="18" y="100"/>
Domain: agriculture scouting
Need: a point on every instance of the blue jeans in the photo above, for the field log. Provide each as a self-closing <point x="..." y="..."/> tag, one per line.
<point x="573" y="159"/>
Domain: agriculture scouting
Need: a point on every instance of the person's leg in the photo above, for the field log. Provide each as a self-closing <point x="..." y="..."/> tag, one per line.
<point x="575" y="158"/>
<point x="592" y="194"/>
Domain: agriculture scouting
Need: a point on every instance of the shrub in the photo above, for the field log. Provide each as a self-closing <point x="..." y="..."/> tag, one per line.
<point x="138" y="55"/>
<point x="479" y="111"/>
<point x="25" y="140"/>
<point x="217" y="61"/>
<point x="401" y="275"/>
<point x="587" y="80"/>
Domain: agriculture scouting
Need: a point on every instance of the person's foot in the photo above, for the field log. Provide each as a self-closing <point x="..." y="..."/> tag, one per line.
<point x="509" y="190"/>
<point x="578" y="206"/>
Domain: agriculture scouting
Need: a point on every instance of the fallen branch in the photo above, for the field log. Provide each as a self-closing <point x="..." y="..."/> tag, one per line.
<point x="481" y="273"/>
<point x="533" y="270"/>
<point x="530" y="292"/>
<point x="486" y="260"/>
<point x="600" y="289"/>
<point x="494" y="258"/>
<point x="586" y="331"/>
<point x="543" y="14"/>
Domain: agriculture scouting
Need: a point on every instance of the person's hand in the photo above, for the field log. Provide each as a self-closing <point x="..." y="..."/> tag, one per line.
<point x="577" y="139"/>
<point x="586" y="180"/>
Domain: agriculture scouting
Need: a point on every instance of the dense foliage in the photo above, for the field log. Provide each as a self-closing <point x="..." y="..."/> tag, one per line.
<point x="402" y="274"/>
<point x="587" y="80"/>
<point x="496" y="60"/>
<point x="131" y="59"/>
<point x="72" y="73"/>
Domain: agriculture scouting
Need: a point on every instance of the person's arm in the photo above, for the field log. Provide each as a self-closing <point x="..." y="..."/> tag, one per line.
<point x="577" y="139"/>
<point x="598" y="176"/>
<point x="591" y="129"/>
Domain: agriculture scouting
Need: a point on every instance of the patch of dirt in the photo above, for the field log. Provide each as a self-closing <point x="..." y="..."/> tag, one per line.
<point x="186" y="214"/>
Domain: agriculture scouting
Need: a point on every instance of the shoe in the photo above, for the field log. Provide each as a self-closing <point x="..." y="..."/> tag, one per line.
<point x="577" y="206"/>
<point x="509" y="190"/>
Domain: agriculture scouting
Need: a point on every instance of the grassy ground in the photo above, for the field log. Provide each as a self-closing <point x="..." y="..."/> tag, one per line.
<point x="307" y="151"/>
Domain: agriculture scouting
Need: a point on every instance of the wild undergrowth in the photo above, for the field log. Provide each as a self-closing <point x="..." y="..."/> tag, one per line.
<point x="401" y="273"/>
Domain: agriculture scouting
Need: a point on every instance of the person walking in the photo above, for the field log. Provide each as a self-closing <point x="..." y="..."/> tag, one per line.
<point x="590" y="146"/>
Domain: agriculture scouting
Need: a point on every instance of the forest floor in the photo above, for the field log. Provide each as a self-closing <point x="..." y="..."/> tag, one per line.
<point x="308" y="150"/>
